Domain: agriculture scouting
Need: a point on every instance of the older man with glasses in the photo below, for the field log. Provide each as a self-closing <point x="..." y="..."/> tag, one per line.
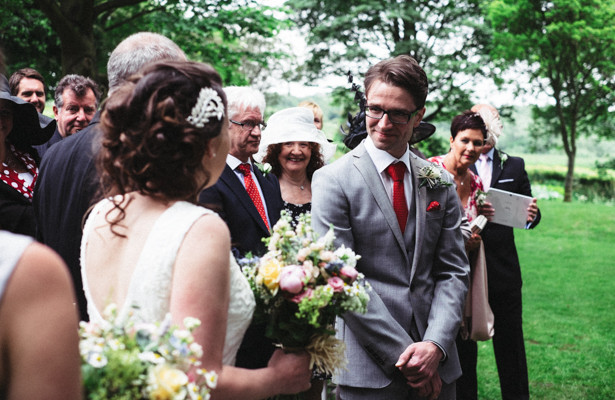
<point x="247" y="199"/>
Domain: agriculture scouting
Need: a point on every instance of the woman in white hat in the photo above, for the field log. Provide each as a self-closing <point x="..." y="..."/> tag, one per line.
<point x="294" y="148"/>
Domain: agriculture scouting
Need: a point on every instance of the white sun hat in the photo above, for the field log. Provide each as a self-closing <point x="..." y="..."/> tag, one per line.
<point x="294" y="124"/>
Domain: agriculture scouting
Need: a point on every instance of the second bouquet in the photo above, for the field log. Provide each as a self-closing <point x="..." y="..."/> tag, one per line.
<point x="301" y="284"/>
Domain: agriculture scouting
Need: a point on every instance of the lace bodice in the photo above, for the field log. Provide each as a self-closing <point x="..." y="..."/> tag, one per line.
<point x="149" y="292"/>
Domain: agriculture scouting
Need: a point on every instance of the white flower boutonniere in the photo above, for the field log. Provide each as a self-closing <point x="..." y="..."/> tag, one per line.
<point x="503" y="158"/>
<point x="265" y="168"/>
<point x="431" y="176"/>
<point x="481" y="198"/>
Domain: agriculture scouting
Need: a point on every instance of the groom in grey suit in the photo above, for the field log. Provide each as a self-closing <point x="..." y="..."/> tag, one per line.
<point x="412" y="252"/>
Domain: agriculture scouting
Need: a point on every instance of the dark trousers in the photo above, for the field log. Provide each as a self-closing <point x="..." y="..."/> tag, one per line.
<point x="508" y="347"/>
<point x="467" y="388"/>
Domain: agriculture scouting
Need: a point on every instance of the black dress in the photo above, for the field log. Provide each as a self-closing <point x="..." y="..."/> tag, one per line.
<point x="297" y="209"/>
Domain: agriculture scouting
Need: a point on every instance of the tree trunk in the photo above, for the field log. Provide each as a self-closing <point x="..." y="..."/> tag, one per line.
<point x="569" y="178"/>
<point x="73" y="22"/>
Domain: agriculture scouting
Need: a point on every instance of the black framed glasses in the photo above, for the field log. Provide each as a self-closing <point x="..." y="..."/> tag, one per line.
<point x="395" y="116"/>
<point x="249" y="125"/>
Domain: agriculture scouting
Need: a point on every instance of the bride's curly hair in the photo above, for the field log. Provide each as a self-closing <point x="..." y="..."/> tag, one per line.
<point x="148" y="146"/>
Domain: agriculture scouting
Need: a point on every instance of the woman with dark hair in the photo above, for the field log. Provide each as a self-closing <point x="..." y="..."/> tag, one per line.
<point x="294" y="148"/>
<point x="148" y="247"/>
<point x="468" y="135"/>
<point x="21" y="126"/>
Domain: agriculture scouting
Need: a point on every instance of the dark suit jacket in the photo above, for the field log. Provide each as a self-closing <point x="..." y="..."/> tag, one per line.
<point x="503" y="269"/>
<point x="15" y="211"/>
<point x="229" y="198"/>
<point x="42" y="148"/>
<point x="66" y="187"/>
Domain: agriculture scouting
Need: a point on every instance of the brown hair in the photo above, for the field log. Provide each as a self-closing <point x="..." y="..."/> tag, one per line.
<point x="18" y="75"/>
<point x="273" y="153"/>
<point x="402" y="71"/>
<point x="468" y="120"/>
<point x="148" y="145"/>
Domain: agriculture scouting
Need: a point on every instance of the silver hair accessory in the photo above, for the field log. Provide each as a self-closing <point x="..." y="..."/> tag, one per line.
<point x="209" y="104"/>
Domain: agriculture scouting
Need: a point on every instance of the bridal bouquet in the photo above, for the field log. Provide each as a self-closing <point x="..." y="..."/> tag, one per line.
<point x="301" y="284"/>
<point x="142" y="361"/>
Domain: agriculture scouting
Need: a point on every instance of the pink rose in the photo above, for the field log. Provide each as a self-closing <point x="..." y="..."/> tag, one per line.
<point x="349" y="272"/>
<point x="336" y="283"/>
<point x="291" y="279"/>
<point x="306" y="293"/>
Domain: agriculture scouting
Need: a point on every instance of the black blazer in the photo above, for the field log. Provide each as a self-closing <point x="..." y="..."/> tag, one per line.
<point x="16" y="213"/>
<point x="503" y="269"/>
<point x="66" y="187"/>
<point x="229" y="198"/>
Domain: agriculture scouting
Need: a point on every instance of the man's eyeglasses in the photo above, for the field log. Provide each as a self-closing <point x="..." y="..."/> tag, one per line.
<point x="395" y="116"/>
<point x="249" y="125"/>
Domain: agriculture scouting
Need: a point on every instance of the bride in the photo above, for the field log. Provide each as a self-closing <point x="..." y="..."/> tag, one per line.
<point x="149" y="249"/>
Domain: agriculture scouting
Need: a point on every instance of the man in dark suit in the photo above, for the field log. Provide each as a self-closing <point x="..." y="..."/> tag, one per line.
<point x="248" y="200"/>
<point x="230" y="197"/>
<point x="67" y="184"/>
<point x="503" y="270"/>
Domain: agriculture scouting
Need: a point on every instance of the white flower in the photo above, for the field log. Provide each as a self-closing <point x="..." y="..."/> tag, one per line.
<point x="191" y="323"/>
<point x="265" y="168"/>
<point x="196" y="349"/>
<point x="431" y="176"/>
<point x="97" y="359"/>
<point x="211" y="379"/>
<point x="151" y="357"/>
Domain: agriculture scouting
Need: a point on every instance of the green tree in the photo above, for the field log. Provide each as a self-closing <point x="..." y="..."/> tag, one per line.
<point x="447" y="39"/>
<point x="235" y="36"/>
<point x="568" y="47"/>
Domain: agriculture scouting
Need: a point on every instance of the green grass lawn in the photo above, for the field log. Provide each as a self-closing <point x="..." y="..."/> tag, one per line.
<point x="568" y="265"/>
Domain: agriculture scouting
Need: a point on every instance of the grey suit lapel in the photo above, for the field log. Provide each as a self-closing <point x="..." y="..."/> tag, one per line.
<point x="367" y="169"/>
<point x="420" y="199"/>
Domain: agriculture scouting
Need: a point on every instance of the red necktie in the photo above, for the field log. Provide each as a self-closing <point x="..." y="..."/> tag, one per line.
<point x="396" y="172"/>
<point x="253" y="191"/>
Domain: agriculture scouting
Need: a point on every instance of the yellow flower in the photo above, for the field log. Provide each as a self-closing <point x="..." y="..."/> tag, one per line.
<point x="167" y="382"/>
<point x="269" y="272"/>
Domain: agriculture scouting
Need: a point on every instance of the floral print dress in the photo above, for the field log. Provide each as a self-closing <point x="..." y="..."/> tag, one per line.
<point x="476" y="185"/>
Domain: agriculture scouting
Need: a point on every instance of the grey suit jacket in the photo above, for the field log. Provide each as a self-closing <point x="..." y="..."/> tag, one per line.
<point x="419" y="279"/>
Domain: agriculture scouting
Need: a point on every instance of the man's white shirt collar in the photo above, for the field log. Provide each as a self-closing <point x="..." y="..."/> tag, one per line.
<point x="382" y="159"/>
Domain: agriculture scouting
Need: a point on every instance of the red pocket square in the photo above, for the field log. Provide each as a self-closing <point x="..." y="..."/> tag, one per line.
<point x="433" y="206"/>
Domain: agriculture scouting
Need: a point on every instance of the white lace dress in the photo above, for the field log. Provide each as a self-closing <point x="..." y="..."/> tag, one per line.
<point x="149" y="292"/>
<point x="12" y="247"/>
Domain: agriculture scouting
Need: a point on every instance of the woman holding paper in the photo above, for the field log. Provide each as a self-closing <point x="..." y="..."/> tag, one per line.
<point x="468" y="135"/>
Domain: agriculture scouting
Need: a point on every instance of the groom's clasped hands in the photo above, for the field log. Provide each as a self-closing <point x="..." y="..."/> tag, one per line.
<point x="419" y="365"/>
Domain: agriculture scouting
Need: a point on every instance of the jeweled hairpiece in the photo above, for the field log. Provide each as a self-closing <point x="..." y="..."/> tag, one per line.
<point x="209" y="104"/>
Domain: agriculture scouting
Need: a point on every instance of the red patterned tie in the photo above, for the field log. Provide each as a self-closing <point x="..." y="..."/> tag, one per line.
<point x="396" y="172"/>
<point x="253" y="191"/>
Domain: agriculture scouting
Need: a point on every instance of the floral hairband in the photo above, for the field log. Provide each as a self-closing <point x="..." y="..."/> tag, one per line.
<point x="209" y="104"/>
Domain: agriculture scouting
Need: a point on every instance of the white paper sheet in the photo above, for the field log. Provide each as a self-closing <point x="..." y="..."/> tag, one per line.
<point x="510" y="208"/>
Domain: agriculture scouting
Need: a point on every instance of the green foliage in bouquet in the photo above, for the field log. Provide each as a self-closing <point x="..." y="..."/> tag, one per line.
<point x="125" y="360"/>
<point x="301" y="285"/>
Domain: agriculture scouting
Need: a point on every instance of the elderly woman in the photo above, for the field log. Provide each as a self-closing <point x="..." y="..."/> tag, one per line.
<point x="294" y="148"/>
<point x="20" y="127"/>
